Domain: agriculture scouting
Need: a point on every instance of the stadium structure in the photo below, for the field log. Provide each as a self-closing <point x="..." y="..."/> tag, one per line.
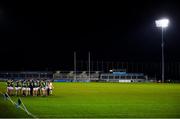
<point x="123" y="76"/>
<point x="92" y="70"/>
<point x="19" y="75"/>
<point x="97" y="76"/>
<point x="79" y="76"/>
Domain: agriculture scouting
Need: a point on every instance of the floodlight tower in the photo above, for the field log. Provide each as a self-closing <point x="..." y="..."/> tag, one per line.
<point x="89" y="58"/>
<point x="162" y="23"/>
<point x="75" y="67"/>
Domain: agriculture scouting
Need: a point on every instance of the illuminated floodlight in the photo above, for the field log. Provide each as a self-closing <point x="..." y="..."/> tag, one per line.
<point x="162" y="23"/>
<point x="111" y="70"/>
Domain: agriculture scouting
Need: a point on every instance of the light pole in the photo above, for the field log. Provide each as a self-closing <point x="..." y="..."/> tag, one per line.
<point x="162" y="23"/>
<point x="75" y="67"/>
<point x="89" y="58"/>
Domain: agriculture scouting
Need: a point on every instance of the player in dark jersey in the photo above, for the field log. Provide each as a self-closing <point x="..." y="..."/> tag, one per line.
<point x="31" y="87"/>
<point x="39" y="88"/>
<point x="28" y="87"/>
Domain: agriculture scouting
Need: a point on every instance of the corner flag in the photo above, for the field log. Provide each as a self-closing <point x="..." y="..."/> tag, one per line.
<point x="18" y="103"/>
<point x="5" y="96"/>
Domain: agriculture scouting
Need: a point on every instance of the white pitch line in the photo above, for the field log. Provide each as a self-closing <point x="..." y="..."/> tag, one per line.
<point x="24" y="109"/>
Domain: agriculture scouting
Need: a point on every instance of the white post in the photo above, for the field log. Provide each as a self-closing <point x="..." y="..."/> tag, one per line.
<point x="74" y="66"/>
<point x="162" y="45"/>
<point x="89" y="58"/>
<point x="163" y="23"/>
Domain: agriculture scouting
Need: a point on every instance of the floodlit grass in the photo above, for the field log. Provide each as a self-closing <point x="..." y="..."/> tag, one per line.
<point x="101" y="100"/>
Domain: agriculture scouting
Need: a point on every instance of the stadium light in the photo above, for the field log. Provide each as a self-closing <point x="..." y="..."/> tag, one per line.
<point x="75" y="66"/>
<point x="162" y="23"/>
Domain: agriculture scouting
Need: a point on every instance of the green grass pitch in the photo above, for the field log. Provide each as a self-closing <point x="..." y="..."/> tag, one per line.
<point x="100" y="100"/>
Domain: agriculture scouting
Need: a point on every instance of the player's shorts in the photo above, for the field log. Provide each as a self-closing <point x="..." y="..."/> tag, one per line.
<point x="18" y="88"/>
<point x="10" y="88"/>
<point x="23" y="88"/>
<point x="28" y="89"/>
<point x="44" y="88"/>
<point x="35" y="89"/>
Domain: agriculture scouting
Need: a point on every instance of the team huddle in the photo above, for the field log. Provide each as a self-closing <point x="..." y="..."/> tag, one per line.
<point x="29" y="87"/>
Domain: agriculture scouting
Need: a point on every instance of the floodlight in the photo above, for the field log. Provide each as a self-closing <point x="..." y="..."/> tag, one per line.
<point x="111" y="70"/>
<point x="162" y="23"/>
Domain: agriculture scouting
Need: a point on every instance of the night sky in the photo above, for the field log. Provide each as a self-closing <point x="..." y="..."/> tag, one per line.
<point x="41" y="35"/>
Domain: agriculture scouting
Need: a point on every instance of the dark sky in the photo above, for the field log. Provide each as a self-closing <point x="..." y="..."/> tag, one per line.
<point x="40" y="35"/>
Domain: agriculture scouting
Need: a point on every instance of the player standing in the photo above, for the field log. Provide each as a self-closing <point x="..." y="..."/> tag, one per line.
<point x="50" y="87"/>
<point x="10" y="87"/>
<point x="35" y="89"/>
<point x="24" y="88"/>
<point x="43" y="84"/>
<point x="18" y="88"/>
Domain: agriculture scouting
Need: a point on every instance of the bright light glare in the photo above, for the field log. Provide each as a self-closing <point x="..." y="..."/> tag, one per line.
<point x="162" y="23"/>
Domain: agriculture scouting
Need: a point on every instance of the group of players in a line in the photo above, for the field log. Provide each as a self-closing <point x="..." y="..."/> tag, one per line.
<point x="29" y="87"/>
